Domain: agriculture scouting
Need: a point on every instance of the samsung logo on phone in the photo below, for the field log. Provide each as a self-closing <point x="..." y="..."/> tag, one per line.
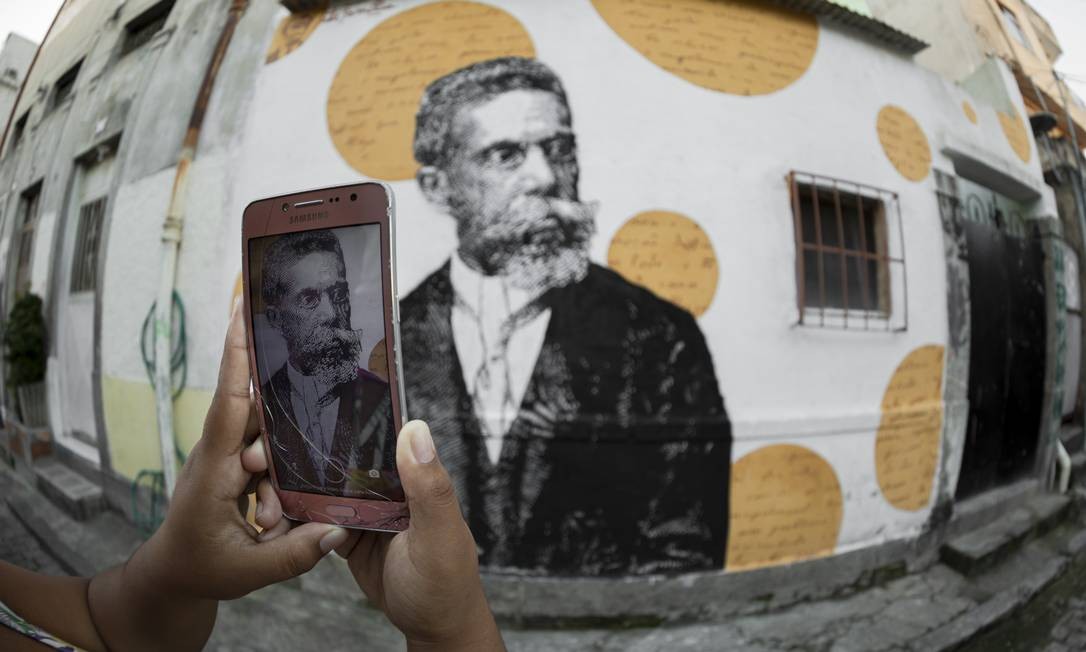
<point x="308" y="217"/>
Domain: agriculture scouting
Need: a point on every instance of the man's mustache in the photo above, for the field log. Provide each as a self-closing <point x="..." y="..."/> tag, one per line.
<point x="531" y="218"/>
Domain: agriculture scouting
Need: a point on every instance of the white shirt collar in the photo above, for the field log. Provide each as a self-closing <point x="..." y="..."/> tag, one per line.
<point x="471" y="286"/>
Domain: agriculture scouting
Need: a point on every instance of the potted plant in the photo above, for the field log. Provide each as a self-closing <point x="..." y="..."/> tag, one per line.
<point x="24" y="343"/>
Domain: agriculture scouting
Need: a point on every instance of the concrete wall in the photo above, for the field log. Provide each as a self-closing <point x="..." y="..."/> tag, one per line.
<point x="15" y="57"/>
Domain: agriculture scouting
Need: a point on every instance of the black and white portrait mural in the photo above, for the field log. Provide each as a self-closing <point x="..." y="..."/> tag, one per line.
<point x="579" y="414"/>
<point x="317" y="303"/>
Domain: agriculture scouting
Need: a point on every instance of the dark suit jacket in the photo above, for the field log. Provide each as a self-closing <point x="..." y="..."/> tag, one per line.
<point x="365" y="417"/>
<point x="618" y="459"/>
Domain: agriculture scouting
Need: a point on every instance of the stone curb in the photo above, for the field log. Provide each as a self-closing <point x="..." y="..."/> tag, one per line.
<point x="68" y="558"/>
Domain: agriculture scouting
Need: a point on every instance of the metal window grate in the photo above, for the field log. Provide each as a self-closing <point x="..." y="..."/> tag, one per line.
<point x="28" y="222"/>
<point x="850" y="260"/>
<point x="87" y="239"/>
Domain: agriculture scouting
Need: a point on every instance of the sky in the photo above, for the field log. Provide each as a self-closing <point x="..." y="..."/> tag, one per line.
<point x="31" y="18"/>
<point x="1068" y="20"/>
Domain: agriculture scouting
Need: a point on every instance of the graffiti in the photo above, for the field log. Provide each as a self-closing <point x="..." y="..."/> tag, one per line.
<point x="579" y="414"/>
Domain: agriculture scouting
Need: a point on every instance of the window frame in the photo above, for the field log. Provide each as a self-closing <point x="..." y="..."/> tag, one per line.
<point x="134" y="36"/>
<point x="1014" y="25"/>
<point x="88" y="242"/>
<point x="67" y="83"/>
<point x="29" y="212"/>
<point x="892" y="314"/>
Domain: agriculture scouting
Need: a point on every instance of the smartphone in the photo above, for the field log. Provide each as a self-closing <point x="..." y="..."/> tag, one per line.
<point x="319" y="276"/>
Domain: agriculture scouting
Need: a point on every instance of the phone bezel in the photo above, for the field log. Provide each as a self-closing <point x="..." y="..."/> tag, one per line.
<point x="375" y="205"/>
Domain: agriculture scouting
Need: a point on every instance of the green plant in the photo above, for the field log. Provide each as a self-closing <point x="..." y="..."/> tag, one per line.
<point x="24" y="339"/>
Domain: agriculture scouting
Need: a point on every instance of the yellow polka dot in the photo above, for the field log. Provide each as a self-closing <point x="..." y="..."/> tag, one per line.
<point x="904" y="142"/>
<point x="786" y="505"/>
<point x="376" y="90"/>
<point x="1015" y="131"/>
<point x="907" y="444"/>
<point x="292" y="31"/>
<point x="669" y="254"/>
<point x="970" y="112"/>
<point x="741" y="47"/>
<point x="378" y="362"/>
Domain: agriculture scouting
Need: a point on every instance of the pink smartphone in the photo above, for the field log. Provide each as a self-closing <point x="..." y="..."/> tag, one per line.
<point x="323" y="324"/>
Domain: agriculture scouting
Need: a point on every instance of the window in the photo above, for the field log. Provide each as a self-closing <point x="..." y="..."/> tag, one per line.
<point x="848" y="261"/>
<point x="62" y="90"/>
<point x="1014" y="27"/>
<point x="28" y="221"/>
<point x="17" y="130"/>
<point x="141" y="29"/>
<point x="87" y="239"/>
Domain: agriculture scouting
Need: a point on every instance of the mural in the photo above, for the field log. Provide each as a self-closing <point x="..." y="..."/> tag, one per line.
<point x="969" y="111"/>
<point x="742" y="47"/>
<point x="579" y="297"/>
<point x="579" y="414"/>
<point x="1014" y="128"/>
<point x="907" y="443"/>
<point x="904" y="142"/>
<point x="787" y="506"/>
<point x="669" y="254"/>
<point x="292" y="31"/>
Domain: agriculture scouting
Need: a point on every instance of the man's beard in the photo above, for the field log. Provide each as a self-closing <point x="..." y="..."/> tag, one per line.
<point x="537" y="242"/>
<point x="329" y="353"/>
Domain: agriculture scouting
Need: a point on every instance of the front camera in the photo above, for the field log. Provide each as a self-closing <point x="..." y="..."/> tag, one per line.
<point x="353" y="196"/>
<point x="285" y="207"/>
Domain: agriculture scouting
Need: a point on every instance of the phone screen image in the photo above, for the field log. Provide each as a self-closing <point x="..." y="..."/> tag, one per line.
<point x="319" y="337"/>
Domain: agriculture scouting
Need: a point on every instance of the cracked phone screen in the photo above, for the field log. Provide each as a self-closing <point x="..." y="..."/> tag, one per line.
<point x="319" y="332"/>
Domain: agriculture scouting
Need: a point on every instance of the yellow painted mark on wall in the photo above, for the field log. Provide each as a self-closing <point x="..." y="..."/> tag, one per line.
<point x="733" y="46"/>
<point x="904" y="142"/>
<point x="376" y="91"/>
<point x="907" y="444"/>
<point x="970" y="112"/>
<point x="669" y="254"/>
<point x="1015" y="130"/>
<point x="786" y="505"/>
<point x="132" y="426"/>
<point x="292" y="31"/>
<point x="378" y="362"/>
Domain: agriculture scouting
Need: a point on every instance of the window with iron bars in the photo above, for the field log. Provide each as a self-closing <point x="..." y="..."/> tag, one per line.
<point x="850" y="262"/>
<point x="28" y="222"/>
<point x="87" y="239"/>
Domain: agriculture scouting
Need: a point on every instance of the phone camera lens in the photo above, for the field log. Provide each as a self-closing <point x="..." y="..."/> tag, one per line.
<point x="284" y="207"/>
<point x="353" y="196"/>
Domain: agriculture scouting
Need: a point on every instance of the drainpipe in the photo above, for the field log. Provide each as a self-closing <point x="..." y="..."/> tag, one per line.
<point x="171" y="244"/>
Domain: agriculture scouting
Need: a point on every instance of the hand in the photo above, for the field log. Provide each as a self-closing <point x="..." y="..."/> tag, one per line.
<point x="426" y="578"/>
<point x="206" y="548"/>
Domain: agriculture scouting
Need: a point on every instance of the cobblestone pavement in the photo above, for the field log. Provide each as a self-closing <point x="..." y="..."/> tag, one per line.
<point x="19" y="547"/>
<point x="1054" y="621"/>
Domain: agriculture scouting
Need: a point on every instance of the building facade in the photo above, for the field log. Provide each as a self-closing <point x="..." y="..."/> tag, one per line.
<point x="779" y="201"/>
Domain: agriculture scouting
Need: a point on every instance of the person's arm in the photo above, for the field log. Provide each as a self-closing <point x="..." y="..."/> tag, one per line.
<point x="426" y="578"/>
<point x="166" y="596"/>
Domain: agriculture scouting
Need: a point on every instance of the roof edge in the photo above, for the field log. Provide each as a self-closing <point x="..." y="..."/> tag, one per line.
<point x="841" y="15"/>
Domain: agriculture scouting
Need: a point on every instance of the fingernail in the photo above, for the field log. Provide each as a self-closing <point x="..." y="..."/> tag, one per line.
<point x="335" y="538"/>
<point x="422" y="444"/>
<point x="237" y="305"/>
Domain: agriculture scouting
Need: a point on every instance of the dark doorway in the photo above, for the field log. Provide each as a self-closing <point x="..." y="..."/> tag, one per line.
<point x="1007" y="353"/>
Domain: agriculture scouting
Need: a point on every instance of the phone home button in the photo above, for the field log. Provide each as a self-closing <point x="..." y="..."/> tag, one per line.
<point x="342" y="511"/>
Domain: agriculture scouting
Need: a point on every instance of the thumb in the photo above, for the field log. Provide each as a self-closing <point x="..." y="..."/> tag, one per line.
<point x="431" y="499"/>
<point x="295" y="552"/>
